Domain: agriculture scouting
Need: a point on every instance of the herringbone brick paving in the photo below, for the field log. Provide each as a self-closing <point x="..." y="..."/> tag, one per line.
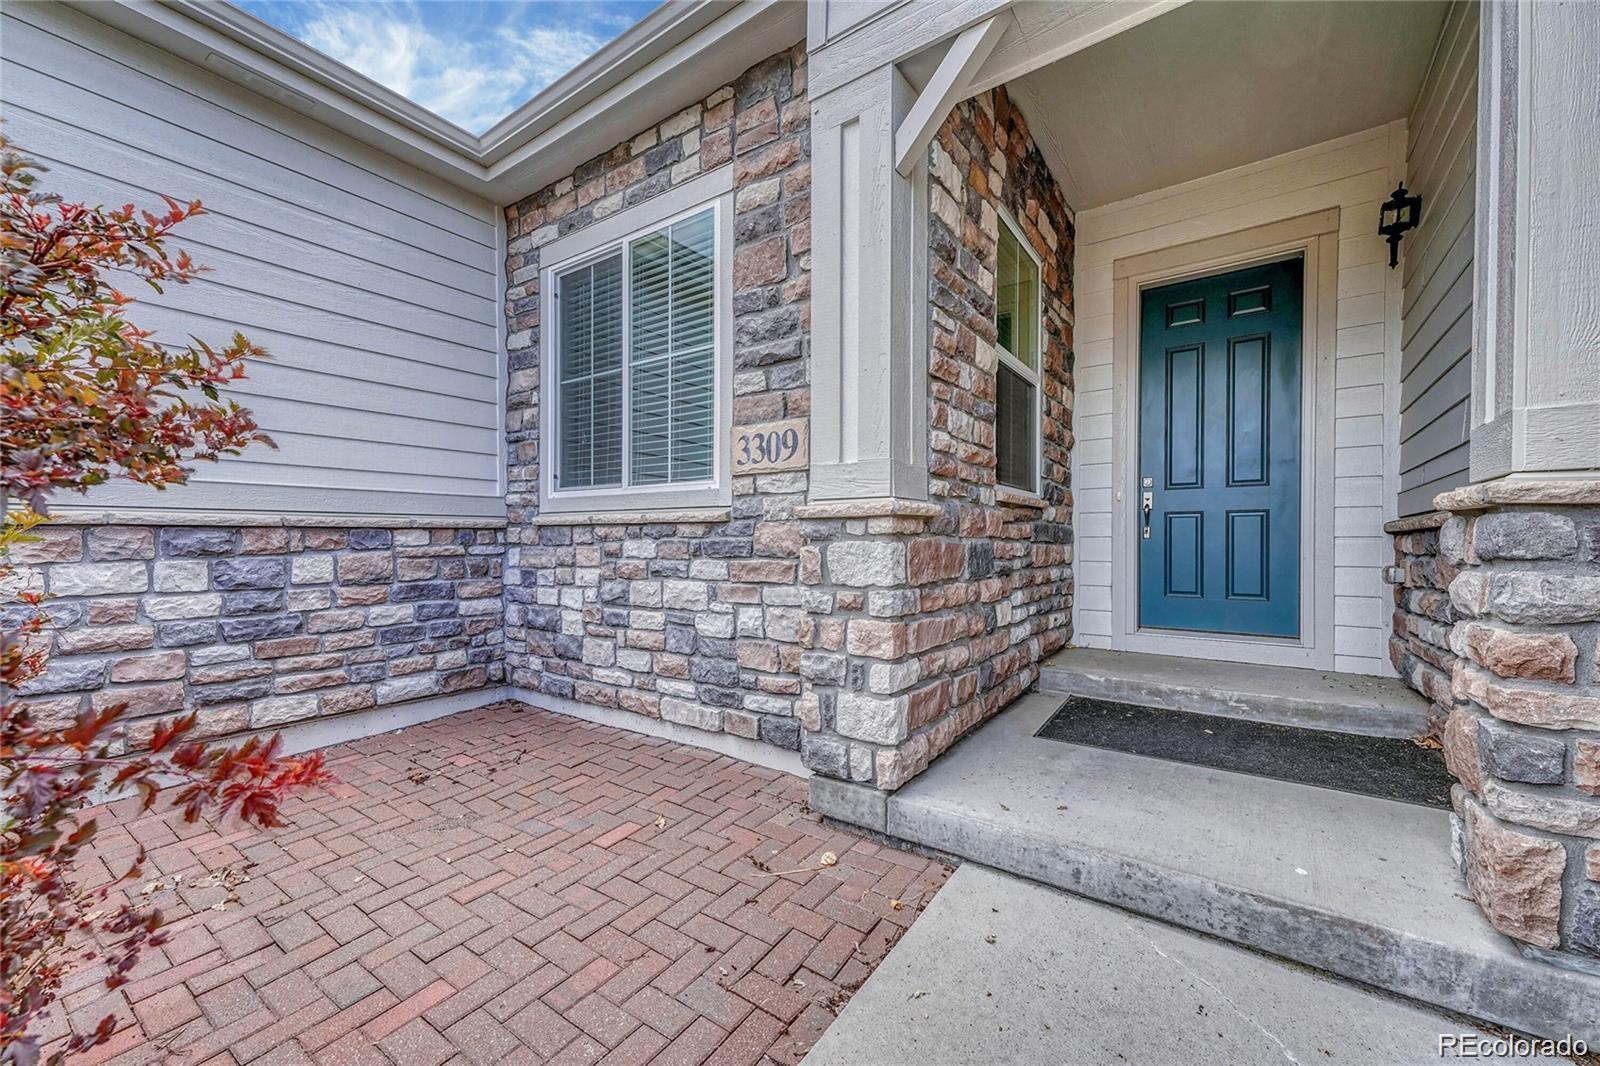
<point x="505" y="886"/>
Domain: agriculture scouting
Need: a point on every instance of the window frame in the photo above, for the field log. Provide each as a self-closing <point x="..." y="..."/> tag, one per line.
<point x="614" y="235"/>
<point x="1036" y="375"/>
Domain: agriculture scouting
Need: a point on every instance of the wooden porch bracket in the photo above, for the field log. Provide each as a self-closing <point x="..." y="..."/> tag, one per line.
<point x="947" y="86"/>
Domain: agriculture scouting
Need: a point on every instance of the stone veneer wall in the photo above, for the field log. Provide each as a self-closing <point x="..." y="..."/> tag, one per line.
<point x="867" y="638"/>
<point x="962" y="602"/>
<point x="699" y="623"/>
<point x="1523" y="737"/>
<point x="1419" y="646"/>
<point x="261" y="626"/>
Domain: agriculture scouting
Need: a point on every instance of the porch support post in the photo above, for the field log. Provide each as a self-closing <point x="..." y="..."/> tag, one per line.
<point x="1521" y="548"/>
<point x="869" y="388"/>
<point x="947" y="86"/>
<point x="1536" y="337"/>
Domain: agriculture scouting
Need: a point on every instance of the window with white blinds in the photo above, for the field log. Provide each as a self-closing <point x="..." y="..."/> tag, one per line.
<point x="1017" y="399"/>
<point x="636" y="362"/>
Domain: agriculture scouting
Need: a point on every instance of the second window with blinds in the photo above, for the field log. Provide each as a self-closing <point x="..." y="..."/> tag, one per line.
<point x="634" y="372"/>
<point x="1017" y="328"/>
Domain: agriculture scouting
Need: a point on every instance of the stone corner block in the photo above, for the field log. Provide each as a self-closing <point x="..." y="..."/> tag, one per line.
<point x="875" y="719"/>
<point x="1515" y="877"/>
<point x="859" y="805"/>
<point x="866" y="563"/>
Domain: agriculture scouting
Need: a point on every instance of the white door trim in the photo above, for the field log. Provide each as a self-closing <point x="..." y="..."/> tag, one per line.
<point x="1315" y="238"/>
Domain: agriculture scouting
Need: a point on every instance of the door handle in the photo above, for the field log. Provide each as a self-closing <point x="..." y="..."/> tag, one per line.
<point x="1147" y="504"/>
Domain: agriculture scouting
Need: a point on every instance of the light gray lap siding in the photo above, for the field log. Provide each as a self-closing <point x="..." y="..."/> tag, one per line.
<point x="373" y="285"/>
<point x="1436" y="323"/>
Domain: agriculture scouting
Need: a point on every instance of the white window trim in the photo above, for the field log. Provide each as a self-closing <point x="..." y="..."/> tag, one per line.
<point x="606" y="238"/>
<point x="1036" y="375"/>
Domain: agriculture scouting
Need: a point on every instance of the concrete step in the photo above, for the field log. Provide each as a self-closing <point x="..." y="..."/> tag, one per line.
<point x="1359" y="887"/>
<point x="1002" y="970"/>
<point x="1315" y="699"/>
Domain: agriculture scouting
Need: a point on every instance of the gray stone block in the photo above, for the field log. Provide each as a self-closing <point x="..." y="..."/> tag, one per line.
<point x="252" y="602"/>
<point x="1543" y="597"/>
<point x="234" y="629"/>
<point x="1521" y="755"/>
<point x="182" y="634"/>
<point x="250" y="573"/>
<point x="369" y="539"/>
<point x="67" y="676"/>
<point x="1583" y="920"/>
<point x="827" y="756"/>
<point x="1524" y="535"/>
<point x="188" y="543"/>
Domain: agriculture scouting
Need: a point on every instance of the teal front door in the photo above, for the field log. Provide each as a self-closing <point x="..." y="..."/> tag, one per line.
<point x="1218" y="501"/>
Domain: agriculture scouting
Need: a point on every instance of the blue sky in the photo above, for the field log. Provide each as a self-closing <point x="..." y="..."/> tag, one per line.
<point x="471" y="61"/>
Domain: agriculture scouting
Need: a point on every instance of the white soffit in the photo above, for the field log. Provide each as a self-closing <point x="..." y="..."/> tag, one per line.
<point x="676" y="55"/>
<point x="1217" y="84"/>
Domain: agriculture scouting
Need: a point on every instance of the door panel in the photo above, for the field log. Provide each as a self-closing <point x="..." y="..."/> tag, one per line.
<point x="1219" y="453"/>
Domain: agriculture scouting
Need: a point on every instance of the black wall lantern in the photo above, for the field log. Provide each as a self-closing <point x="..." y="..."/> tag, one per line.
<point x="1400" y="214"/>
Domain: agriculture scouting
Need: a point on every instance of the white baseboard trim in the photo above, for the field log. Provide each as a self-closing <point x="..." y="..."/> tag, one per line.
<point x="751" y="751"/>
<point x="358" y="725"/>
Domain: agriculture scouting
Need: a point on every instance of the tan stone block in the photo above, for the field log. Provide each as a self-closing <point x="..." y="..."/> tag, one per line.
<point x="49" y="544"/>
<point x="83" y="639"/>
<point x="1586" y="766"/>
<point x="222" y="673"/>
<point x="741" y="724"/>
<point x="264" y="540"/>
<point x="146" y="699"/>
<point x="1515" y="878"/>
<point x="360" y="638"/>
<point x="309" y="682"/>
<point x="325" y="539"/>
<point x="122" y="542"/>
<point x="354" y="698"/>
<point x="162" y="666"/>
<point x="876" y="639"/>
<point x="1460" y="739"/>
<point x="363" y="595"/>
<point x="55" y="712"/>
<point x="286" y="646"/>
<point x="1537" y="656"/>
<point x="365" y="568"/>
<point x="113" y="612"/>
<point x="1528" y="705"/>
<point x="778" y="538"/>
<point x="1592" y="861"/>
<point x="761" y="264"/>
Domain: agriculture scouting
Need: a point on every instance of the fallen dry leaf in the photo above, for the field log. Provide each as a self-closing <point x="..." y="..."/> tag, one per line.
<point x="661" y="822"/>
<point x="829" y="859"/>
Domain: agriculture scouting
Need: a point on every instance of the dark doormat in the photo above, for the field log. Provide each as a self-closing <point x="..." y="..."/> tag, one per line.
<point x="1368" y="766"/>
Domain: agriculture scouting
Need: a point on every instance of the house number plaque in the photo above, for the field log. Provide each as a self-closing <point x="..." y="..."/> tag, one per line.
<point x="772" y="446"/>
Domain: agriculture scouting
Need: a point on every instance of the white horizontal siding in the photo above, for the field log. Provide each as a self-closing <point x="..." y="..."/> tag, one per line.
<point x="1354" y="174"/>
<point x="372" y="284"/>
<point x="1436" y="317"/>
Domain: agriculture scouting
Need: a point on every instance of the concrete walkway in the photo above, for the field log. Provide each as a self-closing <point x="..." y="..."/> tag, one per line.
<point x="1002" y="970"/>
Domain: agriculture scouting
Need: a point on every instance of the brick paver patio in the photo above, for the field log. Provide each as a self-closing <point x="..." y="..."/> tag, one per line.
<point x="505" y="886"/>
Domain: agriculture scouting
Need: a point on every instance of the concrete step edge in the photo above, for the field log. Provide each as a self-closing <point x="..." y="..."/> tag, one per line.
<point x="1501" y="987"/>
<point x="1365" y="720"/>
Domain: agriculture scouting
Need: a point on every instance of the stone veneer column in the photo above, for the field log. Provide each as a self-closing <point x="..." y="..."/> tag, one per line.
<point x="1524" y="736"/>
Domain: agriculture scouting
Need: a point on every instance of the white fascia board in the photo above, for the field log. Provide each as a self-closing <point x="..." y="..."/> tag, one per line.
<point x="661" y="64"/>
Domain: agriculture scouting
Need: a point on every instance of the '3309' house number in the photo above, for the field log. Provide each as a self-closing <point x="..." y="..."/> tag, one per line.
<point x="772" y="446"/>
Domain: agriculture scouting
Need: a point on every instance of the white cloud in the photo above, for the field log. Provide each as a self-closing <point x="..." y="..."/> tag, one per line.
<point x="473" y="76"/>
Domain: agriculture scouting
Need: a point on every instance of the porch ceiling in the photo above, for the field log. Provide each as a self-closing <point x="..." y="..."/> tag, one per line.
<point x="1218" y="84"/>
